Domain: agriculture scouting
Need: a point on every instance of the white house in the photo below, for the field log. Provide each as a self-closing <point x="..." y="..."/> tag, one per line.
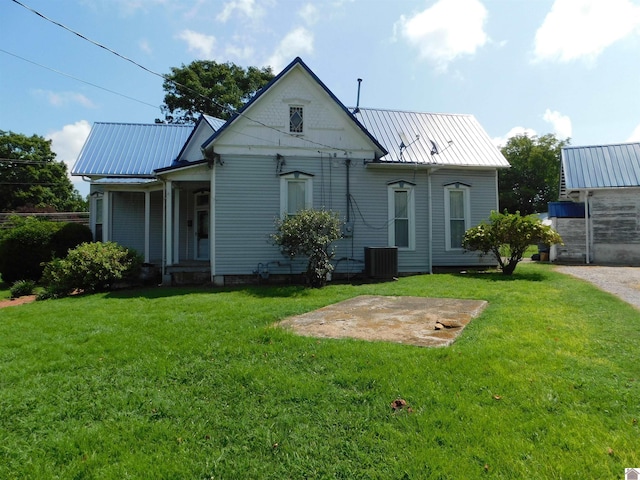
<point x="201" y="200"/>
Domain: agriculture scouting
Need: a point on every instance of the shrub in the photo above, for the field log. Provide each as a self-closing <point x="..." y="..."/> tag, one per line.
<point x="21" y="288"/>
<point x="69" y="236"/>
<point x="507" y="236"/>
<point x="25" y="247"/>
<point x="90" y="267"/>
<point x="310" y="233"/>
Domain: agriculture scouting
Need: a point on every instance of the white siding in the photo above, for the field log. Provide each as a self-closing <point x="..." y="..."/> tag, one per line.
<point x="483" y="199"/>
<point x="127" y="224"/>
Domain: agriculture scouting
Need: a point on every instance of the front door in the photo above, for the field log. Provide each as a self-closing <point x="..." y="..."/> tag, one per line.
<point x="202" y="226"/>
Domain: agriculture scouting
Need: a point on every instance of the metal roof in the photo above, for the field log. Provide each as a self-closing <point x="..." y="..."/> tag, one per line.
<point x="431" y="138"/>
<point x="127" y="149"/>
<point x="601" y="166"/>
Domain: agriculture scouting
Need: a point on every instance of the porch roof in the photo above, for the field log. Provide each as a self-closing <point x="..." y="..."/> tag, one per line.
<point x="127" y="149"/>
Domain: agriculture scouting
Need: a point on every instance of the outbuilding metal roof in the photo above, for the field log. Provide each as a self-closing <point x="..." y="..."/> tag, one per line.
<point x="431" y="138"/>
<point x="128" y="149"/>
<point x="601" y="166"/>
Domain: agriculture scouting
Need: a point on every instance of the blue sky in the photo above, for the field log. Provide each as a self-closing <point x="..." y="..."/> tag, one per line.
<point x="569" y="67"/>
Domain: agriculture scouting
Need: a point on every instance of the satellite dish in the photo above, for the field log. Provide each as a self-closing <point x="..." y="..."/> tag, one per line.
<point x="403" y="139"/>
<point x="434" y="147"/>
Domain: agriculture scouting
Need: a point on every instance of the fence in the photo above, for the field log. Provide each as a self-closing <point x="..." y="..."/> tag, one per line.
<point x="73" y="217"/>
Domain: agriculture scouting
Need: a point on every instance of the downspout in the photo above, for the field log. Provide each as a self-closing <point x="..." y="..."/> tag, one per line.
<point x="430" y="221"/>
<point x="164" y="228"/>
<point x="586" y="225"/>
<point x="348" y="164"/>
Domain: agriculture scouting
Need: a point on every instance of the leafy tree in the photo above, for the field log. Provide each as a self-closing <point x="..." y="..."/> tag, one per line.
<point x="534" y="177"/>
<point x="507" y="236"/>
<point x="31" y="179"/>
<point x="204" y="86"/>
<point x="28" y="242"/>
<point x="310" y="233"/>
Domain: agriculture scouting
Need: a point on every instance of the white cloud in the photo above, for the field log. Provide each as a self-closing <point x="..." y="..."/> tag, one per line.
<point x="145" y="47"/>
<point x="515" y="131"/>
<point x="198" y="43"/>
<point x="583" y="29"/>
<point x="445" y="31"/>
<point x="561" y="123"/>
<point x="61" y="99"/>
<point x="635" y="135"/>
<point x="247" y="8"/>
<point x="244" y="52"/>
<point x="309" y="14"/>
<point x="68" y="142"/>
<point x="295" y="43"/>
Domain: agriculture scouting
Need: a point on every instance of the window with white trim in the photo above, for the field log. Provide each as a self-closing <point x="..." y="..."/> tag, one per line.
<point x="296" y="192"/>
<point x="97" y="223"/>
<point x="457" y="211"/>
<point x="296" y="119"/>
<point x="401" y="208"/>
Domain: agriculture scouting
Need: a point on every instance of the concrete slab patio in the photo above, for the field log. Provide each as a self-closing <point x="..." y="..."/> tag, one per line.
<point x="425" y="322"/>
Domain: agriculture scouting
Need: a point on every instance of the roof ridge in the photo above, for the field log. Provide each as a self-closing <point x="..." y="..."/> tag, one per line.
<point x="601" y="145"/>
<point x="147" y="124"/>
<point x="412" y="111"/>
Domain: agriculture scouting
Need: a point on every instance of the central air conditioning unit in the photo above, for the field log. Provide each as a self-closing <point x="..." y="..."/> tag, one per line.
<point x="381" y="262"/>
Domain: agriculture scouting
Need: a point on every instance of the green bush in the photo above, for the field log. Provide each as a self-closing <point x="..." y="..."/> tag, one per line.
<point x="90" y="267"/>
<point x="310" y="233"/>
<point x="25" y="247"/>
<point x="21" y="288"/>
<point x="507" y="236"/>
<point x="69" y="236"/>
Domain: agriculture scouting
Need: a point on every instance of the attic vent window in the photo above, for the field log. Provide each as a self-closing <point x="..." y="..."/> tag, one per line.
<point x="296" y="122"/>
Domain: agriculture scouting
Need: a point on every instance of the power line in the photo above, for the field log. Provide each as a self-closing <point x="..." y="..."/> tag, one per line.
<point x="155" y="107"/>
<point x="166" y="78"/>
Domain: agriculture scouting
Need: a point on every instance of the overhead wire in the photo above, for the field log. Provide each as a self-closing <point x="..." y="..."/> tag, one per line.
<point x="168" y="79"/>
<point x="155" y="107"/>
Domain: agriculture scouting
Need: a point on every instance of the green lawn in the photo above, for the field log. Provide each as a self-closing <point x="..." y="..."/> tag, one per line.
<point x="197" y="384"/>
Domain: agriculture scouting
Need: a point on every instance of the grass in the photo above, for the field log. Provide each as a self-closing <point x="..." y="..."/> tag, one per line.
<point x="198" y="384"/>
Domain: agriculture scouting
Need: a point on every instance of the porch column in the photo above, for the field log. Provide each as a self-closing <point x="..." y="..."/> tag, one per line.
<point x="106" y="216"/>
<point x="176" y="226"/>
<point x="147" y="222"/>
<point x="212" y="222"/>
<point x="168" y="222"/>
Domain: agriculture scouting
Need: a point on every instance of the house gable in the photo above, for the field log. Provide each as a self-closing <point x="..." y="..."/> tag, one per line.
<point x="322" y="122"/>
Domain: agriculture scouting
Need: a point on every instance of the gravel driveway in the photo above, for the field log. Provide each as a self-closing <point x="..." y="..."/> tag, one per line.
<point x="624" y="282"/>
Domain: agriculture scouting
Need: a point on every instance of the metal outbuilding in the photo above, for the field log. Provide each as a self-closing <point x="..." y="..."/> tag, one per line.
<point x="605" y="179"/>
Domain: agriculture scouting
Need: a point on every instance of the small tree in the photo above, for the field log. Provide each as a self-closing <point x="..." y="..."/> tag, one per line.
<point x="310" y="233"/>
<point x="90" y="267"/>
<point x="507" y="236"/>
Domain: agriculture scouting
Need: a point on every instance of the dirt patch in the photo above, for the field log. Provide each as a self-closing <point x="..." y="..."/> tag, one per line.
<point x="17" y="301"/>
<point x="425" y="322"/>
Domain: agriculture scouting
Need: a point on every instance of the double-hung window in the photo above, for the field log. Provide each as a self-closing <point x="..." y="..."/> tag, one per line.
<point x="401" y="208"/>
<point x="296" y="192"/>
<point x="457" y="214"/>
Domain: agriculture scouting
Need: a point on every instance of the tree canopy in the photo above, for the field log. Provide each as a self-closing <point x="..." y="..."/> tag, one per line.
<point x="204" y="86"/>
<point x="31" y="179"/>
<point x="507" y="236"/>
<point x="534" y="177"/>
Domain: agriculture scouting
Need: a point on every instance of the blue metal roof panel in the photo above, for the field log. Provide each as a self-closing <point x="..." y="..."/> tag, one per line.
<point x="126" y="149"/>
<point x="456" y="140"/>
<point x="601" y="166"/>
